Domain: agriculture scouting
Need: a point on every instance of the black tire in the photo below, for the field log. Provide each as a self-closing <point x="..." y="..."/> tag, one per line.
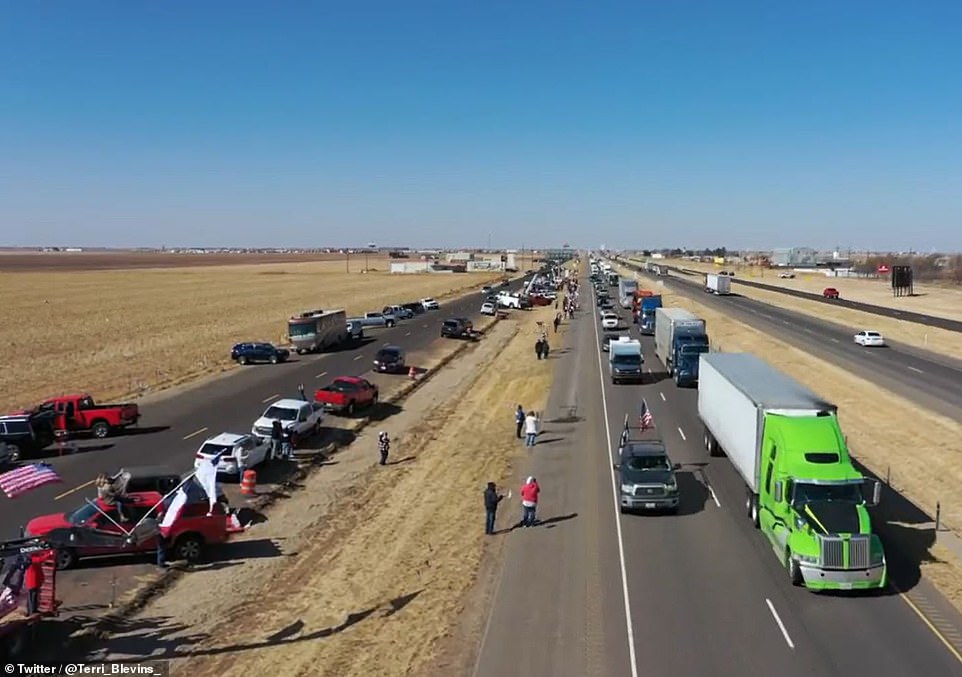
<point x="794" y="571"/>
<point x="189" y="548"/>
<point x="350" y="408"/>
<point x="751" y="505"/>
<point x="390" y="323"/>
<point x="16" y="454"/>
<point x="273" y="359"/>
<point x="373" y="401"/>
<point x="100" y="429"/>
<point x="66" y="559"/>
<point x="242" y="359"/>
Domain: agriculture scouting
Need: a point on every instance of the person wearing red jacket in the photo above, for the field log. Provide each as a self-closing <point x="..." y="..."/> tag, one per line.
<point x="33" y="581"/>
<point x="529" y="502"/>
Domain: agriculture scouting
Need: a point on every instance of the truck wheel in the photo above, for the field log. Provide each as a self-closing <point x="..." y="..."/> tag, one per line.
<point x="350" y="408"/>
<point x="751" y="503"/>
<point x="15" y="453"/>
<point x="242" y="359"/>
<point x="390" y="323"/>
<point x="794" y="571"/>
<point x="66" y="558"/>
<point x="373" y="401"/>
<point x="189" y="548"/>
<point x="273" y="359"/>
<point x="100" y="429"/>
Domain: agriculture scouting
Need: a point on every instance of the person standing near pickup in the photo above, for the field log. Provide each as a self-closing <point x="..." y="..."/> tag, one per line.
<point x="277" y="439"/>
<point x="519" y="420"/>
<point x="383" y="446"/>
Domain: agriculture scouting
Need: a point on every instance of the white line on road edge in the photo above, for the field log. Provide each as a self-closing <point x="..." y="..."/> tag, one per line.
<point x="193" y="434"/>
<point x="713" y="496"/>
<point x="682" y="433"/>
<point x="771" y="607"/>
<point x="916" y="370"/>
<point x="268" y="399"/>
<point x="835" y="340"/>
<point x="357" y="358"/>
<point x="786" y="322"/>
<point x="614" y="494"/>
<point x="663" y="397"/>
<point x="323" y="373"/>
<point x="408" y="334"/>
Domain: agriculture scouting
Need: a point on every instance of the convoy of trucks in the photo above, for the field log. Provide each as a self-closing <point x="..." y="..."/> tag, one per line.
<point x="803" y="492"/>
<point x="680" y="337"/>
<point x="316" y="330"/>
<point x="718" y="284"/>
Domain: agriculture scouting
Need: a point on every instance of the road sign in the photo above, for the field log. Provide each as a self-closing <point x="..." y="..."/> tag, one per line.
<point x="882" y="269"/>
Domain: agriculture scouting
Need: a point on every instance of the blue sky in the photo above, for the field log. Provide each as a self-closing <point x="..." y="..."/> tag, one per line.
<point x="746" y="124"/>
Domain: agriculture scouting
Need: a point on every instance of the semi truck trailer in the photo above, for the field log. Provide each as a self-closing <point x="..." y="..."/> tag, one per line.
<point x="718" y="284"/>
<point x="680" y="337"/>
<point x="802" y="490"/>
<point x="626" y="291"/>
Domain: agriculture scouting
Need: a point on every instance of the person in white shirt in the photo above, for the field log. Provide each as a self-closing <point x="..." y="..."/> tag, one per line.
<point x="530" y="429"/>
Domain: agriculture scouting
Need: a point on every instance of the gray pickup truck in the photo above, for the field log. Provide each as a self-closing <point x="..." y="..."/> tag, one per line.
<point x="647" y="477"/>
<point x="376" y="320"/>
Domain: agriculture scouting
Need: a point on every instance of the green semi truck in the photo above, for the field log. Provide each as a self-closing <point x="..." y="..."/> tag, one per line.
<point x="802" y="490"/>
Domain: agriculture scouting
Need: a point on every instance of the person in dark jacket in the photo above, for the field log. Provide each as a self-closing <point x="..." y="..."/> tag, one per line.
<point x="383" y="446"/>
<point x="538" y="347"/>
<point x="277" y="439"/>
<point x="519" y="420"/>
<point x="491" y="500"/>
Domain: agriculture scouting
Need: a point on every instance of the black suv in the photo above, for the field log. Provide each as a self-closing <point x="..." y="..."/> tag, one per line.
<point x="245" y="353"/>
<point x="457" y="327"/>
<point x="27" y="434"/>
<point x="389" y="359"/>
<point x="647" y="479"/>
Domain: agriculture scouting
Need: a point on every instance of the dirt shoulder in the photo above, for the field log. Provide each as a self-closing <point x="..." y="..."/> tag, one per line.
<point x="364" y="570"/>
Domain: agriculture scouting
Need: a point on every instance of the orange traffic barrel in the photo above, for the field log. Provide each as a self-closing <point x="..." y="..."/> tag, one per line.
<point x="249" y="483"/>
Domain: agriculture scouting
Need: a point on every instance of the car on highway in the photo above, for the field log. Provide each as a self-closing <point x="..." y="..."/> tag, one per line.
<point x="647" y="477"/>
<point x="609" y="320"/>
<point x="457" y="327"/>
<point x="787" y="276"/>
<point x="607" y="338"/>
<point x="830" y="293"/>
<point x="390" y="360"/>
<point x="79" y="413"/>
<point x="251" y="352"/>
<point x="399" y="312"/>
<point x="870" y="339"/>
<point x="299" y="419"/>
<point x="488" y="308"/>
<point x="415" y="307"/>
<point x="355" y="330"/>
<point x="27" y="434"/>
<point x="377" y="320"/>
<point x="237" y="453"/>
<point x="346" y="394"/>
<point x="430" y="304"/>
<point x="192" y="530"/>
<point x="487" y="289"/>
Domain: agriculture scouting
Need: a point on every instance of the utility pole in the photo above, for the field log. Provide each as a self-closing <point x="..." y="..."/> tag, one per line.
<point x="347" y="261"/>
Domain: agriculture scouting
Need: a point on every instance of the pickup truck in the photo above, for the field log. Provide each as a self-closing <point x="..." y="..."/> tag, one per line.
<point x="377" y="320"/>
<point x="80" y="413"/>
<point x="457" y="327"/>
<point x="346" y="394"/>
<point x="298" y="418"/>
<point x="400" y="312"/>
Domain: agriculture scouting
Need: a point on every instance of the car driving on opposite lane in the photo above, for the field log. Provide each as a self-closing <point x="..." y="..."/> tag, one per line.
<point x="870" y="339"/>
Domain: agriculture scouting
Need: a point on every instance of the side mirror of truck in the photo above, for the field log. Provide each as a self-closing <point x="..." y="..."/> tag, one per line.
<point x="616" y="466"/>
<point x="876" y="494"/>
<point x="777" y="494"/>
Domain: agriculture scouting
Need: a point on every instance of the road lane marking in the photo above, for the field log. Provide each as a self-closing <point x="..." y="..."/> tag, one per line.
<point x="713" y="496"/>
<point x="408" y="334"/>
<point x="323" y="373"/>
<point x="425" y="326"/>
<point x="771" y="607"/>
<point x="614" y="494"/>
<point x="916" y="370"/>
<point x="75" y="489"/>
<point x="682" y="433"/>
<point x="786" y="322"/>
<point x="194" y="434"/>
<point x="357" y="357"/>
<point x="835" y="340"/>
<point x="928" y="623"/>
<point x="663" y="397"/>
<point x="272" y="397"/>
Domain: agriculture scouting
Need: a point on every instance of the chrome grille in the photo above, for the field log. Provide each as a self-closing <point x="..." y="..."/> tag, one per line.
<point x="650" y="491"/>
<point x="266" y="432"/>
<point x="833" y="553"/>
<point x="859" y="552"/>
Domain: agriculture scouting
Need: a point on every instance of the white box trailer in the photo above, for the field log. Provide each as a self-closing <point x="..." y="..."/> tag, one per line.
<point x="718" y="284"/>
<point x="735" y="392"/>
<point x="316" y="330"/>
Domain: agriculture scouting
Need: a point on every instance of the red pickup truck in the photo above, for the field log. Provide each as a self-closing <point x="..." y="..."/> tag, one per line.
<point x="346" y="394"/>
<point x="830" y="293"/>
<point x="79" y="413"/>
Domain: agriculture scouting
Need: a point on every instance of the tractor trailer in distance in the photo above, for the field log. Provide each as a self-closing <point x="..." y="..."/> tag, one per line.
<point x="680" y="337"/>
<point x="802" y="490"/>
<point x="626" y="291"/>
<point x="718" y="284"/>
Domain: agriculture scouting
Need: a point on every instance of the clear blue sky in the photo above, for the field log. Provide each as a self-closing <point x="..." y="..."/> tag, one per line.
<point x="534" y="122"/>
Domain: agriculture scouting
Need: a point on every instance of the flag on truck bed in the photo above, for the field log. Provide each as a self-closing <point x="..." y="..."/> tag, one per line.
<point x="645" y="419"/>
<point x="19" y="481"/>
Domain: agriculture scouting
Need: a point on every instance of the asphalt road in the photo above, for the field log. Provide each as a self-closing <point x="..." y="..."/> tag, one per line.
<point x="929" y="379"/>
<point x="172" y="428"/>
<point x="695" y="593"/>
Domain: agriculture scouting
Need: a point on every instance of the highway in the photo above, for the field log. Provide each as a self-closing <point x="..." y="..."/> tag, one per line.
<point x="173" y="427"/>
<point x="696" y="593"/>
<point x="930" y="380"/>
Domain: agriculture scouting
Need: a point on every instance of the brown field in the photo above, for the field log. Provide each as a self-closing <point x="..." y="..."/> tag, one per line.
<point x="942" y="341"/>
<point x="123" y="333"/>
<point x="376" y="563"/>
<point x="941" y="300"/>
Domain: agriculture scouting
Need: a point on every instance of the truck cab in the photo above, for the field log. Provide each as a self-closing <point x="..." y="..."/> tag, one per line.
<point x="685" y="352"/>
<point x="646" y="314"/>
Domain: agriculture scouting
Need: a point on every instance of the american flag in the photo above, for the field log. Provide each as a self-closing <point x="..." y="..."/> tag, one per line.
<point x="645" y="419"/>
<point x="22" y="480"/>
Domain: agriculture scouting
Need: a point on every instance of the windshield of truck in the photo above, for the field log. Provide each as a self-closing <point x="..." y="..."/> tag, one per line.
<point x="804" y="492"/>
<point x="82" y="514"/>
<point x="693" y="350"/>
<point x="281" y="413"/>
<point x="301" y="329"/>
<point x="628" y="360"/>
<point x="643" y="463"/>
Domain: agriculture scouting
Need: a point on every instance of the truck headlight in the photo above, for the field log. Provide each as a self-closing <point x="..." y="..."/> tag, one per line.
<point x="807" y="559"/>
<point x="627" y="488"/>
<point x="672" y="487"/>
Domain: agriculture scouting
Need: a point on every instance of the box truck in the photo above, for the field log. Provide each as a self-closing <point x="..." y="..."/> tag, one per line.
<point x="625" y="360"/>
<point x="316" y="330"/>
<point x="802" y="490"/>
<point x="680" y="337"/>
<point x="718" y="284"/>
<point x="626" y="291"/>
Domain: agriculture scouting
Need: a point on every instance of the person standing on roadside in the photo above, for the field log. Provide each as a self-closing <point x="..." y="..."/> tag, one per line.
<point x="538" y="347"/>
<point x="557" y="322"/>
<point x="491" y="500"/>
<point x="277" y="439"/>
<point x="519" y="420"/>
<point x="530" y="429"/>
<point x="529" y="502"/>
<point x="33" y="581"/>
<point x="300" y="389"/>
<point x="383" y="446"/>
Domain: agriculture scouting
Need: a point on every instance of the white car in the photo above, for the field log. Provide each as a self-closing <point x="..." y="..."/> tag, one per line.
<point x="430" y="304"/>
<point x="869" y="339"/>
<point x="297" y="416"/>
<point x="609" y="320"/>
<point x="787" y="276"/>
<point x="239" y="452"/>
<point x="488" y="309"/>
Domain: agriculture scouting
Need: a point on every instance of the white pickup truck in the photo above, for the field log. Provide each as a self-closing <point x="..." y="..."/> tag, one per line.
<point x="296" y="416"/>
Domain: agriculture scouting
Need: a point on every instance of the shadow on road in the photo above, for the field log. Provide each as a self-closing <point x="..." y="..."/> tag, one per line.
<point x="141" y="430"/>
<point x="693" y="493"/>
<point x="553" y="521"/>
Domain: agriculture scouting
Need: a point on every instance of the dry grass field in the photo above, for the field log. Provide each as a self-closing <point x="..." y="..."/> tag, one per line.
<point x="372" y="582"/>
<point x="913" y="334"/>
<point x="121" y="333"/>
<point x="941" y="300"/>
